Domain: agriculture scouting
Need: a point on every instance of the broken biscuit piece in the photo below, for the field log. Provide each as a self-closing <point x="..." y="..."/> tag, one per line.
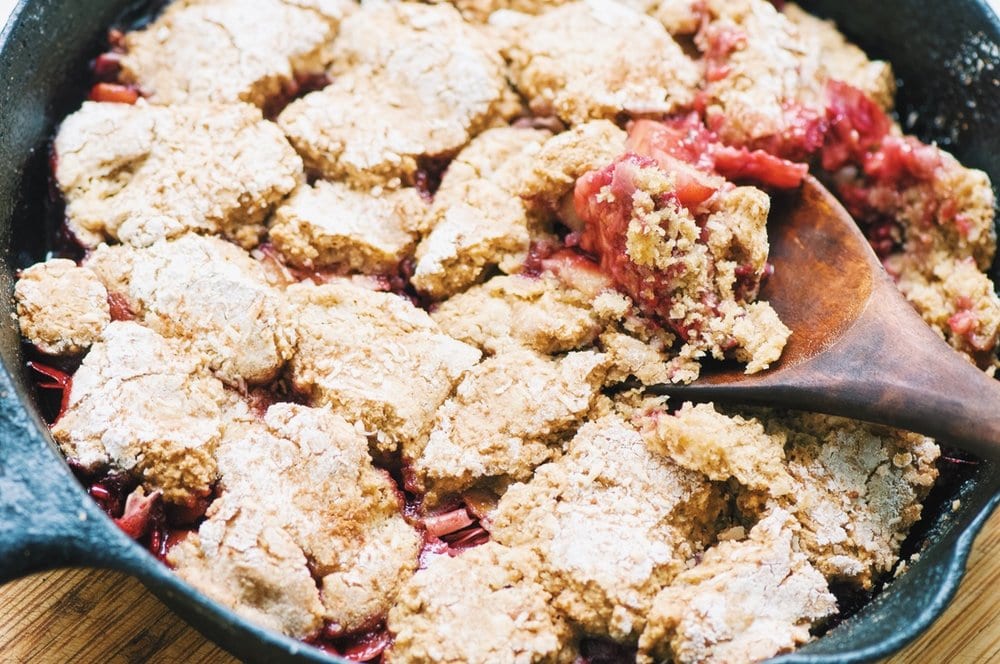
<point x="599" y="59"/>
<point x="330" y="225"/>
<point x="612" y="524"/>
<point x="141" y="403"/>
<point x="745" y="601"/>
<point x="62" y="309"/>
<point x="208" y="294"/>
<point x="507" y="417"/>
<point x="398" y="96"/>
<point x="375" y="358"/>
<point x="482" y="606"/>
<point x="141" y="173"/>
<point x="540" y="313"/>
<point x="477" y="221"/>
<point x="702" y="439"/>
<point x="223" y="51"/>
<point x="857" y="490"/>
<point x="305" y="531"/>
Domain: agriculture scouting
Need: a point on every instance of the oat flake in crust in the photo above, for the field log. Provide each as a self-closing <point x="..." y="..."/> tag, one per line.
<point x="299" y="499"/>
<point x="62" y="309"/>
<point x="398" y="95"/>
<point x="745" y="601"/>
<point x="611" y="523"/>
<point x="598" y="59"/>
<point x="227" y="50"/>
<point x="484" y="606"/>
<point x="142" y="173"/>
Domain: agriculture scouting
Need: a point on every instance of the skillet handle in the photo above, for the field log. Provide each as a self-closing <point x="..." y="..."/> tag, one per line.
<point x="46" y="519"/>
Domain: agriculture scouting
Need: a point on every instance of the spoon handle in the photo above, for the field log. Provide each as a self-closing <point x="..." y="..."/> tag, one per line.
<point x="889" y="368"/>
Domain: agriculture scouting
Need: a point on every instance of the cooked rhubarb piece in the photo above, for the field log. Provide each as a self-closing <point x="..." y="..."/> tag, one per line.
<point x="226" y="50"/>
<point x="507" y="416"/>
<point x="485" y="605"/>
<point x="305" y="529"/>
<point x="113" y="93"/>
<point x="330" y="225"/>
<point x="61" y="308"/>
<point x="53" y="379"/>
<point x="686" y="148"/>
<point x="398" y="96"/>
<point x="209" y="295"/>
<point x="375" y="358"/>
<point x="611" y="523"/>
<point x="598" y="59"/>
<point x="169" y="170"/>
<point x="689" y="250"/>
<point x="746" y="600"/>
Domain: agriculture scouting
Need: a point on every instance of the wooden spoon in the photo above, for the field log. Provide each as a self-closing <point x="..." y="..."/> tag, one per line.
<point x="857" y="349"/>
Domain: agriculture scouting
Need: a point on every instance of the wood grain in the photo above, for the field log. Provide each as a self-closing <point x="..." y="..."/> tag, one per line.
<point x="85" y="616"/>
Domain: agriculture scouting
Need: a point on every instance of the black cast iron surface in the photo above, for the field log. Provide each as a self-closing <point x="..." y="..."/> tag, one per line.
<point x="946" y="54"/>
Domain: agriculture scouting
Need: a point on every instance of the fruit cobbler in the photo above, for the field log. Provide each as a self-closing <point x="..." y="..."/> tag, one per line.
<point x="354" y="304"/>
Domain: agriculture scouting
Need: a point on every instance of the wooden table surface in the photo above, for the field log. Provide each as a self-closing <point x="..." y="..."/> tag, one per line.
<point x="84" y="616"/>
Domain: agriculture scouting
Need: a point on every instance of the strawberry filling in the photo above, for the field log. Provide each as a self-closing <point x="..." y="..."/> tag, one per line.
<point x="113" y="93"/>
<point x="119" y="307"/>
<point x="686" y="148"/>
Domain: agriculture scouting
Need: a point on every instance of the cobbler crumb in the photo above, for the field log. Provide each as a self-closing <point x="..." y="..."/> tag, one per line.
<point x="142" y="173"/>
<point x="208" y="294"/>
<point x="225" y="50"/>
<point x="375" y="358"/>
<point x="507" y="417"/>
<point x="397" y="95"/>
<point x="61" y="308"/>
<point x="300" y="499"/>
<point x="611" y="523"/>
<point x="746" y="600"/>
<point x="141" y="403"/>
<point x="484" y="605"/>
<point x="329" y="224"/>
<point x="597" y="59"/>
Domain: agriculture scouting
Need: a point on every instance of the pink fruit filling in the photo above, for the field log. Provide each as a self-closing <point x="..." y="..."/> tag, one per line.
<point x="57" y="380"/>
<point x="686" y="148"/>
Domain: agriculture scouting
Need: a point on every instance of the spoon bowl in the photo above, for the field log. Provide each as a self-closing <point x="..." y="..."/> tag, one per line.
<point x="857" y="348"/>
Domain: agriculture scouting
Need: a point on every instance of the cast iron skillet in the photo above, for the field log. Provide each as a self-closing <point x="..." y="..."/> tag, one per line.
<point x="946" y="52"/>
